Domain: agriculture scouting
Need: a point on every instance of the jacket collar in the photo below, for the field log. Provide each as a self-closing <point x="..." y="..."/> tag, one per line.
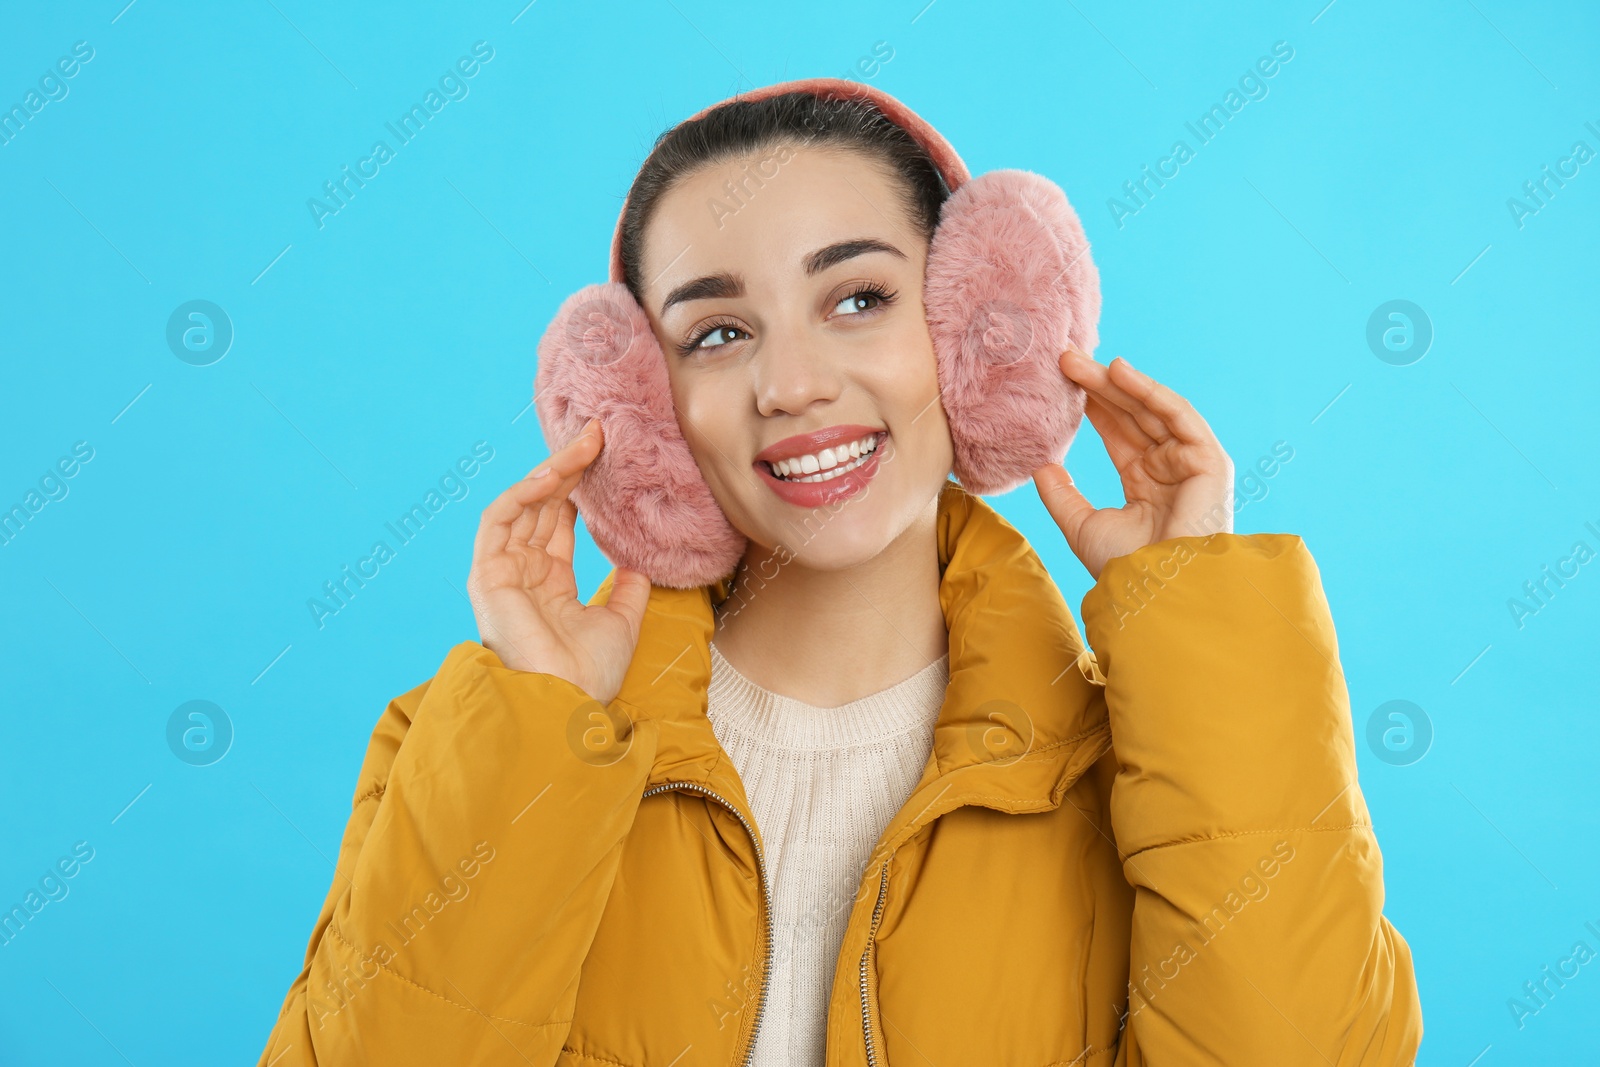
<point x="1021" y="718"/>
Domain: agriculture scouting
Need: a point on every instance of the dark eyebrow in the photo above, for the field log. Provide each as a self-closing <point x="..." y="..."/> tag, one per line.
<point x="725" y="285"/>
<point x="823" y="258"/>
<point x="721" y="284"/>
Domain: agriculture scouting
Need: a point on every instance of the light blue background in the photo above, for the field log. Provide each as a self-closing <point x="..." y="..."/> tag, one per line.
<point x="371" y="353"/>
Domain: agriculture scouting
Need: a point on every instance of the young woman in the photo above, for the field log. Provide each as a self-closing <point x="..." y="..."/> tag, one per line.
<point x="872" y="798"/>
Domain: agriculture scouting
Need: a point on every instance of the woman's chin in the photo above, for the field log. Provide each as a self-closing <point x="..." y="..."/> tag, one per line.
<point x="837" y="535"/>
<point x="824" y="542"/>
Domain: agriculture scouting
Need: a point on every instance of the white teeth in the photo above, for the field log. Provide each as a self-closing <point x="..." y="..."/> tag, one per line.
<point x="828" y="463"/>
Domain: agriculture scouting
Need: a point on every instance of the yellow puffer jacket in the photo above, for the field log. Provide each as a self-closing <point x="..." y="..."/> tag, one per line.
<point x="1154" y="852"/>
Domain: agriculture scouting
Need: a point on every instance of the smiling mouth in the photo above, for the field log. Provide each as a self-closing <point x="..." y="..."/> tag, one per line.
<point x="797" y="472"/>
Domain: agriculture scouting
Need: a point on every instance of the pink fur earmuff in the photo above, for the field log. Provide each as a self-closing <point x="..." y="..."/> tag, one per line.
<point x="1009" y="285"/>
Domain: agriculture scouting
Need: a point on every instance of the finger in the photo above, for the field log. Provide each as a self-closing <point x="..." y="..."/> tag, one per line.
<point x="500" y="518"/>
<point x="577" y="453"/>
<point x="1098" y="380"/>
<point x="1176" y="413"/>
<point x="1162" y="463"/>
<point x="1062" y="499"/>
<point x="494" y="528"/>
<point x="525" y="522"/>
<point x="569" y="462"/>
<point x="630" y="593"/>
<point x="1122" y="436"/>
<point x="549" y="518"/>
<point x="564" y="539"/>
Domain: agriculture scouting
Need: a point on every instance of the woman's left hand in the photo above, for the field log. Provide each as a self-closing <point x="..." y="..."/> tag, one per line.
<point x="1175" y="474"/>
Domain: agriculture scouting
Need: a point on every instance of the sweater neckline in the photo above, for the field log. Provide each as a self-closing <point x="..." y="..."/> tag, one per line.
<point x="909" y="706"/>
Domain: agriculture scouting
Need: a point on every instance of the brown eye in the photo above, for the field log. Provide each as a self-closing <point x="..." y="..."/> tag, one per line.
<point x="722" y="330"/>
<point x="866" y="298"/>
<point x="856" y="303"/>
<point x="714" y="331"/>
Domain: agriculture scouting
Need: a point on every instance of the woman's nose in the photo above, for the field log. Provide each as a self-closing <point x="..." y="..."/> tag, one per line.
<point x="791" y="373"/>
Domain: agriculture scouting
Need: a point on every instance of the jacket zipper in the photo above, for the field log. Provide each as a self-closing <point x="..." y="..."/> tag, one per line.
<point x="866" y="955"/>
<point x="766" y="898"/>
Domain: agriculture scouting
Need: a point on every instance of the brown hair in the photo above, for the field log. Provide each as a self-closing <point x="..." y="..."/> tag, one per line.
<point x="742" y="127"/>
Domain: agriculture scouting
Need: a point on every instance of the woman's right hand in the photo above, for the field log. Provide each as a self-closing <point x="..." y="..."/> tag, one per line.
<point x="523" y="591"/>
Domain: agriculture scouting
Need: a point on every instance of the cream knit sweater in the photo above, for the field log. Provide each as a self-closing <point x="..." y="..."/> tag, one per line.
<point x="822" y="785"/>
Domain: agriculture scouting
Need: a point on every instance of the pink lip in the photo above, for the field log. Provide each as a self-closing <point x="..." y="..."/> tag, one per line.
<point x="802" y="444"/>
<point x="816" y="494"/>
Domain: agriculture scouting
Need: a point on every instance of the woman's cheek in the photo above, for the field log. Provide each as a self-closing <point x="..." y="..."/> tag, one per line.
<point x="705" y="414"/>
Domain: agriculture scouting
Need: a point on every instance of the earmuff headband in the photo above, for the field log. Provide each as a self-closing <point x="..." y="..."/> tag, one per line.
<point x="944" y="157"/>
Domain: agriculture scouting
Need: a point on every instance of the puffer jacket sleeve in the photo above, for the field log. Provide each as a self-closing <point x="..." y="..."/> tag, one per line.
<point x="485" y="833"/>
<point x="1258" y="934"/>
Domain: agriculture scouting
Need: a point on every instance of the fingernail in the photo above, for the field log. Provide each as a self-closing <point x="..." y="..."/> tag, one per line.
<point x="541" y="471"/>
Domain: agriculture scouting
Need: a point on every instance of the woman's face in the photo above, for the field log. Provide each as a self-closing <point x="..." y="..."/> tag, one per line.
<point x="762" y="282"/>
